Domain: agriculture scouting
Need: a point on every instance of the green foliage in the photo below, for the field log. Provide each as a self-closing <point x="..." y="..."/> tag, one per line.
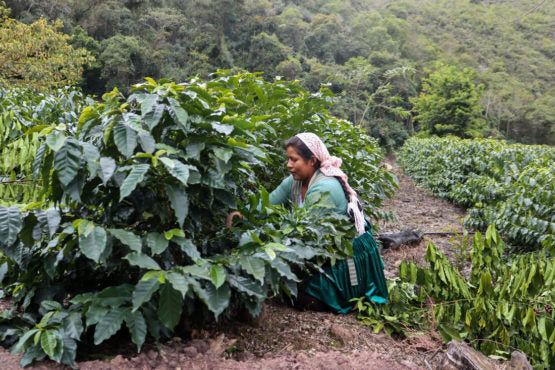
<point x="38" y="55"/>
<point x="503" y="305"/>
<point x="506" y="43"/>
<point x="377" y="101"/>
<point x="449" y="103"/>
<point x="267" y="53"/>
<point x="138" y="188"/>
<point x="29" y="121"/>
<point x="511" y="186"/>
<point x="123" y="60"/>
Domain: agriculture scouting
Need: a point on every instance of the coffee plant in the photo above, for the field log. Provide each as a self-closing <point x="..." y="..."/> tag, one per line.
<point x="511" y="186"/>
<point x="130" y="237"/>
<point x="26" y="116"/>
<point x="503" y="304"/>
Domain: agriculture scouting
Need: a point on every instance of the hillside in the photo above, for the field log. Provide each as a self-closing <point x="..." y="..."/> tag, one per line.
<point x="348" y="44"/>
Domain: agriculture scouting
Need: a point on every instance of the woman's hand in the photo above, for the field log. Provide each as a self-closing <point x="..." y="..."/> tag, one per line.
<point x="229" y="219"/>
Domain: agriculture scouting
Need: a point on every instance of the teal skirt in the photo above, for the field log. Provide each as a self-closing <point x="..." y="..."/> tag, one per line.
<point x="333" y="286"/>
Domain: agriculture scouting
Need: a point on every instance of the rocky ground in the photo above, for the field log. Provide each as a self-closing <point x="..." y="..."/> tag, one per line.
<point x="285" y="338"/>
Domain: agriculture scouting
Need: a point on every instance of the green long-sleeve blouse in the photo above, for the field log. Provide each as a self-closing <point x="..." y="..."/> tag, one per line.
<point x="283" y="193"/>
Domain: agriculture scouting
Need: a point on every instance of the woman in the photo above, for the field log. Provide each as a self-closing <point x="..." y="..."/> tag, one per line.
<point x="314" y="169"/>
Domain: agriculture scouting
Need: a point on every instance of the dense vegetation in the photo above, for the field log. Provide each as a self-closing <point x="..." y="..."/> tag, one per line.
<point x="136" y="190"/>
<point x="112" y="211"/>
<point x="25" y="118"/>
<point x="374" y="53"/>
<point x="510" y="186"/>
<point x="501" y="306"/>
<point x="38" y="55"/>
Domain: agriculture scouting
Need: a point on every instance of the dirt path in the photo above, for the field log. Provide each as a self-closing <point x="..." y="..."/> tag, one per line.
<point x="418" y="209"/>
<point x="285" y="338"/>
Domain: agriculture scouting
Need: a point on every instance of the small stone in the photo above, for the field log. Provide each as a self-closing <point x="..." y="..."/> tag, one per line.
<point x="344" y="335"/>
<point x="410" y="365"/>
<point x="244" y="356"/>
<point x="190" y="351"/>
<point x="200" y="345"/>
<point x="176" y="340"/>
<point x="118" y="361"/>
<point x="519" y="362"/>
<point x="153" y="355"/>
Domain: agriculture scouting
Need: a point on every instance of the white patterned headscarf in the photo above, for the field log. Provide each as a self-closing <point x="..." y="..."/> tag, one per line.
<point x="329" y="166"/>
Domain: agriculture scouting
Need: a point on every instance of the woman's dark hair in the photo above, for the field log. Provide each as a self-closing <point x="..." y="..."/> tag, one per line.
<point x="301" y="149"/>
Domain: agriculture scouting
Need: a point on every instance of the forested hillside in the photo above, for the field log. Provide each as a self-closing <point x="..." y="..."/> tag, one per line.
<point x="373" y="53"/>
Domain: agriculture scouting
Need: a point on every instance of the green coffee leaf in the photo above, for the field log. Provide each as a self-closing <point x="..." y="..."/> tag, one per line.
<point x="142" y="261"/>
<point x="277" y="247"/>
<point x="170" y="306"/>
<point x="254" y="266"/>
<point x="143" y="291"/>
<point x="18" y="347"/>
<point x="114" y="295"/>
<point x="91" y="154"/>
<point x="223" y="153"/>
<point x="51" y="305"/>
<point x="198" y="271"/>
<point x="173" y="232"/>
<point x="128" y="238"/>
<point x="153" y="117"/>
<point x="217" y="273"/>
<point x="136" y="175"/>
<point x="179" y="170"/>
<point x="73" y="325"/>
<point x="32" y="353"/>
<point x="179" y="282"/>
<point x="147" y="142"/>
<point x="179" y="114"/>
<point x="137" y="327"/>
<point x="109" y="325"/>
<point x="107" y="167"/>
<point x="179" y="202"/>
<point x="94" y="244"/>
<point x="55" y="140"/>
<point x="69" y="351"/>
<point x="217" y="300"/>
<point x="246" y="285"/>
<point x="125" y="139"/>
<point x="67" y="161"/>
<point x="11" y="223"/>
<point x="188" y="247"/>
<point x="222" y="128"/>
<point x="157" y="242"/>
<point x="48" y="342"/>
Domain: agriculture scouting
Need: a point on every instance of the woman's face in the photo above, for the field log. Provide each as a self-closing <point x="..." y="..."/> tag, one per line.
<point x="300" y="168"/>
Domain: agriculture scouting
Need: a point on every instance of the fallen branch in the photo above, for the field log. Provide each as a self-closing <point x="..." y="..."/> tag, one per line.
<point x="409" y="236"/>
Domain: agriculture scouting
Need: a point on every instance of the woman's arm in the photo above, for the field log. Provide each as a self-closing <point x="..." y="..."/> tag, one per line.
<point x="282" y="194"/>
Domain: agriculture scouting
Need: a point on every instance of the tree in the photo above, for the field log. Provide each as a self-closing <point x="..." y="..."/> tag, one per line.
<point x="122" y="60"/>
<point x="449" y="103"/>
<point x="291" y="29"/>
<point x="266" y="53"/>
<point x="291" y="68"/>
<point x="38" y="55"/>
<point x="325" y="40"/>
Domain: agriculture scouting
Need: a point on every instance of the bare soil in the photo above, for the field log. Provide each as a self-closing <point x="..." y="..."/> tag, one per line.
<point x="285" y="338"/>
